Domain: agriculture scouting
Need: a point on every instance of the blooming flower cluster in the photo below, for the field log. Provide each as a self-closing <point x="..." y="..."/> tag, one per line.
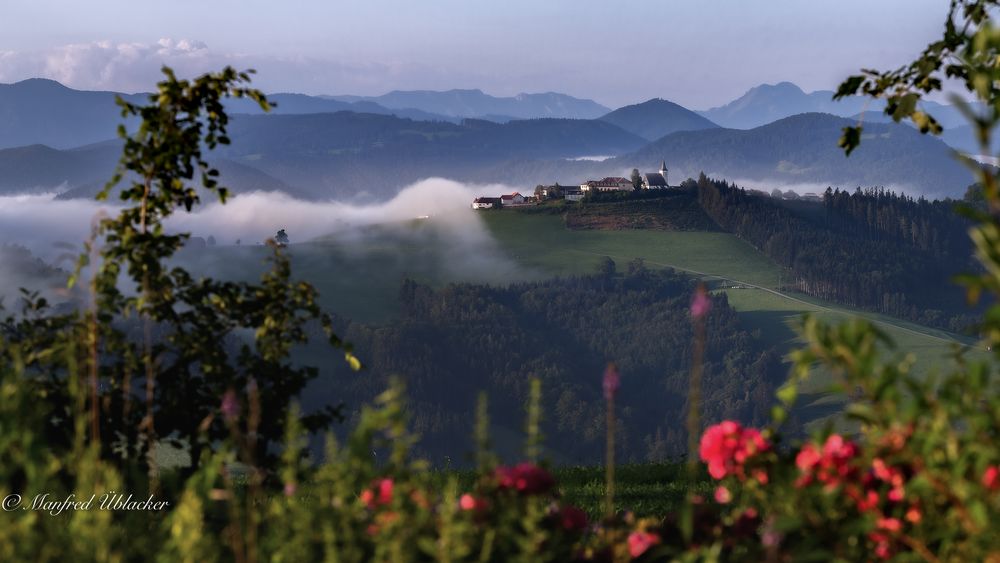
<point x="726" y="448"/>
<point x="876" y="490"/>
<point x="379" y="494"/>
<point x="831" y="464"/>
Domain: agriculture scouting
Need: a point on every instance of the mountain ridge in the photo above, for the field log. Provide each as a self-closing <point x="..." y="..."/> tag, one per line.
<point x="657" y="117"/>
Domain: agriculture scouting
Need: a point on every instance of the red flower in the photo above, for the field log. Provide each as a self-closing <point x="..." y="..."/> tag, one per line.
<point x="991" y="477"/>
<point x="526" y="478"/>
<point x="889" y="524"/>
<point x="727" y="446"/>
<point x="639" y="542"/>
<point x="883" y="550"/>
<point x="380" y="493"/>
<point x="572" y="518"/>
<point x="832" y="465"/>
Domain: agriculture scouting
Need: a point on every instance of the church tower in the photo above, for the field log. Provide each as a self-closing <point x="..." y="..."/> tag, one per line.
<point x="663" y="171"/>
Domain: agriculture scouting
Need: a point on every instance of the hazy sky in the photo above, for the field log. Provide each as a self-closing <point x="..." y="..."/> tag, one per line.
<point x="699" y="53"/>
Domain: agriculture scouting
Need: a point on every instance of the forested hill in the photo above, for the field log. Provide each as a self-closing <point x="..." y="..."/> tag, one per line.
<point x="340" y="155"/>
<point x="803" y="149"/>
<point x="83" y="172"/>
<point x="454" y="342"/>
<point x="655" y="118"/>
<point x="869" y="249"/>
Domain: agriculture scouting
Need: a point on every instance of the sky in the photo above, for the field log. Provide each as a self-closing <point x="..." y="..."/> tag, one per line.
<point x="699" y="53"/>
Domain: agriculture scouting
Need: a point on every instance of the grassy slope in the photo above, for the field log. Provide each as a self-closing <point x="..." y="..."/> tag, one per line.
<point x="541" y="241"/>
<point x="360" y="277"/>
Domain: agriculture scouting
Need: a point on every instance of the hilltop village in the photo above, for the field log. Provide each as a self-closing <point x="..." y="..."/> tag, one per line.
<point x="647" y="181"/>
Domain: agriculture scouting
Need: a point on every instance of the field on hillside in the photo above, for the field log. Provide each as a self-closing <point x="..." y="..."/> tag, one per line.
<point x="359" y="274"/>
<point x="728" y="264"/>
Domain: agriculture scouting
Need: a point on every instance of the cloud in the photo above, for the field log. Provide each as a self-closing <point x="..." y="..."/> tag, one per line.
<point x="135" y="67"/>
<point x="108" y="65"/>
<point x="429" y="221"/>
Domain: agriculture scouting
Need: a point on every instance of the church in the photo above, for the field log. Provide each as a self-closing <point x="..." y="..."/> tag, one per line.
<point x="656" y="180"/>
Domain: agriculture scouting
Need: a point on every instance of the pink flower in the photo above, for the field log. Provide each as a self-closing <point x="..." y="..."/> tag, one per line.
<point x="612" y="381"/>
<point x="991" y="478"/>
<point x="526" y="478"/>
<point x="639" y="542"/>
<point x="700" y="304"/>
<point x="727" y="446"/>
<point x="230" y="405"/>
<point x="889" y="524"/>
<point x="722" y="495"/>
<point x="832" y="465"/>
<point x="470" y="502"/>
<point x="290" y="489"/>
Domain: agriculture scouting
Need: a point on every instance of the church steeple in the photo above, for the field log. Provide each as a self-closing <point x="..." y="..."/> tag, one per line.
<point x="663" y="170"/>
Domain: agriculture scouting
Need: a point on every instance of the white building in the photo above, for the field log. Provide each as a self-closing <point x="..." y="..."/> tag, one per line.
<point x="486" y="203"/>
<point x="609" y="184"/>
<point x="511" y="199"/>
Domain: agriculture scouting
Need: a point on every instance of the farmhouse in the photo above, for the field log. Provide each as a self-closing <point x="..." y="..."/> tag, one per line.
<point x="486" y="203"/>
<point x="656" y="180"/>
<point x="609" y="184"/>
<point x="511" y="199"/>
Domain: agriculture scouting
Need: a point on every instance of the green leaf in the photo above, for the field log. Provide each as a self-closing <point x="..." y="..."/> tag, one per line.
<point x="850" y="139"/>
<point x="787" y="393"/>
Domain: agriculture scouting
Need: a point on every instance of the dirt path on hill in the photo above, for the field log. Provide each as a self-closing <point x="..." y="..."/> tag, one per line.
<point x="795" y="299"/>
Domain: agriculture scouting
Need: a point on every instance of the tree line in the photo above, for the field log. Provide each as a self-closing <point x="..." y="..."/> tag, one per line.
<point x="453" y="342"/>
<point x="871" y="249"/>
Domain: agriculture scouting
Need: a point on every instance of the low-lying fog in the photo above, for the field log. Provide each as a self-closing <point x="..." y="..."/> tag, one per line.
<point x="427" y="231"/>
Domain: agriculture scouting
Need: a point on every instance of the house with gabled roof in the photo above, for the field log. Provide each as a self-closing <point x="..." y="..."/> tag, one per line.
<point x="486" y="203"/>
<point x="511" y="199"/>
<point x="608" y="184"/>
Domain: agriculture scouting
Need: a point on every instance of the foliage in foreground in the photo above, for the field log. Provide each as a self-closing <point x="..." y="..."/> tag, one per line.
<point x="920" y="480"/>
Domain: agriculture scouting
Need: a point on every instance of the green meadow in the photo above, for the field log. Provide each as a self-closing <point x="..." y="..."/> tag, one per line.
<point x="358" y="275"/>
<point x="728" y="265"/>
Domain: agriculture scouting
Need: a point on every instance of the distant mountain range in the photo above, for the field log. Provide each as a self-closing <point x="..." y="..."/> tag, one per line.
<point x="356" y="148"/>
<point x="770" y="102"/>
<point x="42" y="111"/>
<point x="655" y="118"/>
<point x="802" y="149"/>
<point x="335" y="155"/>
<point x="477" y="104"/>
